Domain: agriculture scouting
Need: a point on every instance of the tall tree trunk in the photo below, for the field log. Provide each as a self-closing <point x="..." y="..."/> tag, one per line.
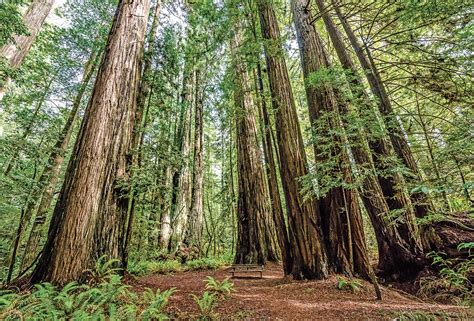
<point x="307" y="247"/>
<point x="393" y="185"/>
<point x="50" y="176"/>
<point x="278" y="216"/>
<point x="397" y="136"/>
<point x="193" y="235"/>
<point x="139" y="127"/>
<point x="16" y="51"/>
<point x="91" y="209"/>
<point x="252" y="206"/>
<point x="270" y="165"/>
<point x="345" y="244"/>
<point x="183" y="202"/>
<point x="397" y="239"/>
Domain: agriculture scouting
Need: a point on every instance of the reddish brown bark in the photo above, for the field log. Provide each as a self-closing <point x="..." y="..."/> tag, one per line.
<point x="307" y="246"/>
<point x="89" y="215"/>
<point x="341" y="217"/>
<point x="252" y="206"/>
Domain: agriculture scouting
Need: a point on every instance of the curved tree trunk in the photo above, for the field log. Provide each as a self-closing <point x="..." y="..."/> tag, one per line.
<point x="90" y="211"/>
<point x="307" y="246"/>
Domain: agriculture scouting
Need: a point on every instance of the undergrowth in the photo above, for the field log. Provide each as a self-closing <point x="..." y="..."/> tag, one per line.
<point x="105" y="298"/>
<point x="453" y="282"/>
<point x="144" y="267"/>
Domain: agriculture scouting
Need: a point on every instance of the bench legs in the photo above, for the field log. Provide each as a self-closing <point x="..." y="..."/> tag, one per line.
<point x="261" y="274"/>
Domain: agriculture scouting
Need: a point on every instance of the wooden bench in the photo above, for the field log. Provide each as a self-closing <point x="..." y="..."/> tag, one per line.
<point x="246" y="268"/>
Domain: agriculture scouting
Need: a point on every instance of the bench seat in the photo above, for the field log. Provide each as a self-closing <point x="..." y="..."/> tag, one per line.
<point x="246" y="268"/>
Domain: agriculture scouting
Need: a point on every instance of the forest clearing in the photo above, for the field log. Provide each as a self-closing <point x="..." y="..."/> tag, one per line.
<point x="320" y="150"/>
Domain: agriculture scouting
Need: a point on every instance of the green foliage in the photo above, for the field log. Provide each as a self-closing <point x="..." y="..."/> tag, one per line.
<point x="104" y="269"/>
<point x="221" y="288"/>
<point x="11" y="22"/>
<point x="352" y="285"/>
<point x="206" y="263"/>
<point x="108" y="300"/>
<point x="454" y="280"/>
<point x="157" y="267"/>
<point x="206" y="303"/>
<point x="421" y="316"/>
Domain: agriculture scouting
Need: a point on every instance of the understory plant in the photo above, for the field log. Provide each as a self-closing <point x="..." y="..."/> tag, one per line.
<point x="352" y="285"/>
<point x="453" y="282"/>
<point x="104" y="298"/>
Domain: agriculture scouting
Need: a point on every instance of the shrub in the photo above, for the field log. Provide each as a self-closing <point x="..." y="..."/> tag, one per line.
<point x="205" y="264"/>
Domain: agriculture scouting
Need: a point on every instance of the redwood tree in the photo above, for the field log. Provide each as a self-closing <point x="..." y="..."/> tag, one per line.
<point x="306" y="243"/>
<point x="16" y="51"/>
<point x="89" y="215"/>
<point x="252" y="206"/>
<point x="341" y="216"/>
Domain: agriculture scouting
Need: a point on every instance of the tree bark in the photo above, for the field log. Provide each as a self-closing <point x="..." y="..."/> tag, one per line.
<point x="277" y="217"/>
<point x="91" y="209"/>
<point x="341" y="216"/>
<point x="16" y="52"/>
<point x="139" y="127"/>
<point x="50" y="176"/>
<point x="307" y="247"/>
<point x="400" y="144"/>
<point x="392" y="184"/>
<point x="183" y="202"/>
<point x="252" y="206"/>
<point x="397" y="239"/>
<point x="193" y="235"/>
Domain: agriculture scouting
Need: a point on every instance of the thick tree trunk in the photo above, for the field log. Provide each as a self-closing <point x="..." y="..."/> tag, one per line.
<point x="50" y="176"/>
<point x="91" y="209"/>
<point x="392" y="184"/>
<point x="339" y="207"/>
<point x="16" y="51"/>
<point x="252" y="206"/>
<point x="193" y="235"/>
<point x="396" y="242"/>
<point x="397" y="136"/>
<point x="183" y="193"/>
<point x="278" y="216"/>
<point x="139" y="127"/>
<point x="307" y="246"/>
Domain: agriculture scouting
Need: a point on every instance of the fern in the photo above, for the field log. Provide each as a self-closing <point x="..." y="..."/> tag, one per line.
<point x="206" y="303"/>
<point x="223" y="288"/>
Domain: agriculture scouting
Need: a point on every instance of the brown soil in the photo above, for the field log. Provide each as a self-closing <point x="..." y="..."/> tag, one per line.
<point x="275" y="298"/>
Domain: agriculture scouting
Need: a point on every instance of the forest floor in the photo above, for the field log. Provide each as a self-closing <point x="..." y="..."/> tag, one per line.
<point x="274" y="298"/>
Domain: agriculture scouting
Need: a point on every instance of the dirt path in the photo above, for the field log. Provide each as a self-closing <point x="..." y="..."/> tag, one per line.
<point x="272" y="297"/>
